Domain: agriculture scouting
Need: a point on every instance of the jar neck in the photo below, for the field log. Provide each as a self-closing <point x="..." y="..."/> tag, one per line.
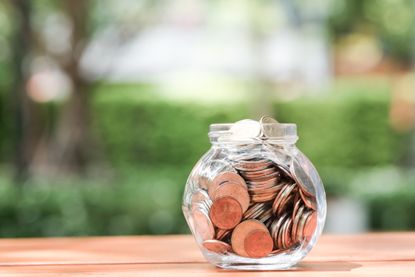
<point x="272" y="134"/>
<point x="224" y="144"/>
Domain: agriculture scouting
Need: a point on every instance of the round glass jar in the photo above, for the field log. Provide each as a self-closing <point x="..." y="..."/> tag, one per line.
<point x="254" y="201"/>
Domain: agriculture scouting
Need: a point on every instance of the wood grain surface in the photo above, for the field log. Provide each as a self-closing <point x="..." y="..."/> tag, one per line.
<point x="375" y="254"/>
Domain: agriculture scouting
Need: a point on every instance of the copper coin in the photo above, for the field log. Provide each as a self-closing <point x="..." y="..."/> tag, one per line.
<point x="278" y="199"/>
<point x="252" y="165"/>
<point x="310" y="225"/>
<point x="226" y="176"/>
<point x="276" y="176"/>
<point x="279" y="251"/>
<point x="265" y="216"/>
<point x="260" y="198"/>
<point x="253" y="209"/>
<point x="297" y="204"/>
<point x="269" y="171"/>
<point x="276" y="228"/>
<point x="261" y="172"/>
<point x="287" y="241"/>
<point x="222" y="234"/>
<point x="309" y="201"/>
<point x="241" y="231"/>
<point x="297" y="196"/>
<point x="236" y="191"/>
<point x="284" y="169"/>
<point x="203" y="225"/>
<point x="225" y="212"/>
<point x="297" y="219"/>
<point x="261" y="184"/>
<point x="301" y="226"/>
<point x="282" y="198"/>
<point x="199" y="196"/>
<point x="216" y="246"/>
<point x="258" y="243"/>
<point x="281" y="232"/>
<point x="260" y="211"/>
<point x="266" y="189"/>
<point x="285" y="203"/>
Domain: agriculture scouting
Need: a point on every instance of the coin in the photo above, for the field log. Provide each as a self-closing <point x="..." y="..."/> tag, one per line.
<point x="265" y="194"/>
<point x="276" y="227"/>
<point x="286" y="203"/>
<point x="199" y="196"/>
<point x="203" y="225"/>
<point x="211" y="169"/>
<point x="245" y="129"/>
<point x="267" y="120"/>
<point x="282" y="198"/>
<point x="225" y="212"/>
<point x="226" y="176"/>
<point x="236" y="191"/>
<point x="309" y="201"/>
<point x="221" y="234"/>
<point x="260" y="173"/>
<point x="280" y="241"/>
<point x="285" y="169"/>
<point x="278" y="251"/>
<point x="216" y="246"/>
<point x="258" y="243"/>
<point x="269" y="127"/>
<point x="265" y="216"/>
<point x="262" y="183"/>
<point x="252" y="165"/>
<point x="306" y="226"/>
<point x="302" y="178"/>
<point x="253" y="210"/>
<point x="310" y="225"/>
<point x="308" y="168"/>
<point x="286" y="235"/>
<point x="297" y="219"/>
<point x="241" y="231"/>
<point x="297" y="205"/>
<point x="273" y="177"/>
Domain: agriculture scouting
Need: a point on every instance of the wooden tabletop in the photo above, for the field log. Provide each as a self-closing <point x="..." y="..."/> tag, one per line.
<point x="382" y="254"/>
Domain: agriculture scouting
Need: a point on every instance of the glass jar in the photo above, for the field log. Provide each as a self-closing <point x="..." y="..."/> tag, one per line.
<point x="254" y="201"/>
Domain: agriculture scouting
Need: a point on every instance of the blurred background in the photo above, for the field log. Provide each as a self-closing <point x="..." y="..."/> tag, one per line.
<point x="105" y="106"/>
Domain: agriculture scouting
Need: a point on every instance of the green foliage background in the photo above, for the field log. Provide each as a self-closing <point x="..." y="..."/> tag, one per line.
<point x="151" y="145"/>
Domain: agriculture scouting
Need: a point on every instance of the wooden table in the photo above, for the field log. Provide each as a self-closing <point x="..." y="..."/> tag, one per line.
<point x="383" y="254"/>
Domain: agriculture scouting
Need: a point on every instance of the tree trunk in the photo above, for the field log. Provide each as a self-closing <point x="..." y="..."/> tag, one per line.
<point x="25" y="125"/>
<point x="73" y="141"/>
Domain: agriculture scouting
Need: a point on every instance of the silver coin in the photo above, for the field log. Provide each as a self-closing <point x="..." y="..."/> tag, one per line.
<point x="301" y="177"/>
<point x="268" y="127"/>
<point x="245" y="129"/>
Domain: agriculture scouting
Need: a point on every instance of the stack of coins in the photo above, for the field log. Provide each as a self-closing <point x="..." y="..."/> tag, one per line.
<point x="255" y="209"/>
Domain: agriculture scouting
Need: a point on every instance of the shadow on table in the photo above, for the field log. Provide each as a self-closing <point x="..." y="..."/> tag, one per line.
<point x="339" y="266"/>
<point x="327" y="266"/>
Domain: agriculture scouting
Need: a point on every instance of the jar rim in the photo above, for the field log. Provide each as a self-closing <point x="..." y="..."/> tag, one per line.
<point x="271" y="132"/>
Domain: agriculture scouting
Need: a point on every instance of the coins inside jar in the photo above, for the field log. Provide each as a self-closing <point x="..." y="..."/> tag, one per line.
<point x="254" y="206"/>
<point x="254" y="210"/>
